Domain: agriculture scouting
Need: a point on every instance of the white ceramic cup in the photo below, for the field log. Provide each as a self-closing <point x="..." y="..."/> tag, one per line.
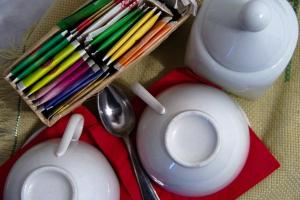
<point x="65" y="169"/>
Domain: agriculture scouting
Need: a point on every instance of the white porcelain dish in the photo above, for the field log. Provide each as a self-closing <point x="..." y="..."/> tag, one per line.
<point x="199" y="145"/>
<point x="65" y="169"/>
<point x="242" y="45"/>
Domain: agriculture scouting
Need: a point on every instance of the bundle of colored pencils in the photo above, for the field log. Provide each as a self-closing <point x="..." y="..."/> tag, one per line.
<point x="101" y="38"/>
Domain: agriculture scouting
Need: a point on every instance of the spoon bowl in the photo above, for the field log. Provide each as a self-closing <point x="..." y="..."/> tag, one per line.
<point x="116" y="112"/>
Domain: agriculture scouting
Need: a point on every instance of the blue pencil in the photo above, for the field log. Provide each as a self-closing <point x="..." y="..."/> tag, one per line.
<point x="90" y="76"/>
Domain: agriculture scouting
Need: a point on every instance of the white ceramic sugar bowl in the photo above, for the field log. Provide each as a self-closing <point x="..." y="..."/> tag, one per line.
<point x="65" y="169"/>
<point x="199" y="145"/>
<point x="242" y="45"/>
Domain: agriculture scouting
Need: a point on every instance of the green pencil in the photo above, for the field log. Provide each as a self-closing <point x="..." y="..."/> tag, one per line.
<point x="81" y="14"/>
<point x="43" y="70"/>
<point x="43" y="59"/>
<point x="112" y="39"/>
<point x="37" y="53"/>
<point x="115" y="27"/>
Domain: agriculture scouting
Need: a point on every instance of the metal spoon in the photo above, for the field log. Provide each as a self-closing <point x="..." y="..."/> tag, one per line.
<point x="117" y="116"/>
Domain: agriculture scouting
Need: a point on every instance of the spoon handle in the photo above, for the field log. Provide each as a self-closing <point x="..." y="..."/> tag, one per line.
<point x="147" y="191"/>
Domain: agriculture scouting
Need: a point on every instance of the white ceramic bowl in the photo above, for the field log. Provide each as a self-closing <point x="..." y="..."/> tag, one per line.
<point x="199" y="146"/>
<point x="64" y="169"/>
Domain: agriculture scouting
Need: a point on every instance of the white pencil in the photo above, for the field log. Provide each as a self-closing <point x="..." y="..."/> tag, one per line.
<point x="102" y="20"/>
<point x="96" y="32"/>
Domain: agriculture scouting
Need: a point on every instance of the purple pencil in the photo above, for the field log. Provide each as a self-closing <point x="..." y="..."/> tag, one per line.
<point x="46" y="89"/>
<point x="76" y="75"/>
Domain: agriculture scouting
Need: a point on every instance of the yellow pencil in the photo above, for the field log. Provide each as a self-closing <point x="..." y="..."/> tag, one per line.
<point x="129" y="34"/>
<point x="128" y="59"/>
<point x="56" y="72"/>
<point x="139" y="34"/>
<point x="158" y="26"/>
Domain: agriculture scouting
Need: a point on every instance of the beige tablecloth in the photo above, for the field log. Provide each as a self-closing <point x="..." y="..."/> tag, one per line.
<point x="275" y="117"/>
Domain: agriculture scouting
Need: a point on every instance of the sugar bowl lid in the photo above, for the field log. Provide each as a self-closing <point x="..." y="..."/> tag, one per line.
<point x="248" y="35"/>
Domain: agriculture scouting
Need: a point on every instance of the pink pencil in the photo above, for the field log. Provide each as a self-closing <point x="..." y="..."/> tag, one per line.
<point x="73" y="77"/>
<point x="63" y="76"/>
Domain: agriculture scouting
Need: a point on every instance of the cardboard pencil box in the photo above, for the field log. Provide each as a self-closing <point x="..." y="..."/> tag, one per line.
<point x="98" y="84"/>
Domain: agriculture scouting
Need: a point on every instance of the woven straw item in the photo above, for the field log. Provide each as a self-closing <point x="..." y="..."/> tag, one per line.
<point x="275" y="117"/>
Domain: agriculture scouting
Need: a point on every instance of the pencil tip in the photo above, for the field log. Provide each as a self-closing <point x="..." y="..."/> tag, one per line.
<point x="20" y="86"/>
<point x="8" y="76"/>
<point x="142" y="5"/>
<point x="32" y="97"/>
<point x="117" y="66"/>
<point x="82" y="52"/>
<point x="105" y="58"/>
<point x="88" y="39"/>
<point x="167" y="19"/>
<point x="40" y="109"/>
<point x="30" y="93"/>
<point x="91" y="62"/>
<point x="71" y="32"/>
<point x="109" y="62"/>
<point x="79" y="38"/>
<point x="65" y="32"/>
<point x="15" y="80"/>
<point x="39" y="103"/>
<point x="88" y="47"/>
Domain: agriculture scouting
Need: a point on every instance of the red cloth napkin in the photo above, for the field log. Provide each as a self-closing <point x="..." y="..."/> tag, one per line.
<point x="259" y="165"/>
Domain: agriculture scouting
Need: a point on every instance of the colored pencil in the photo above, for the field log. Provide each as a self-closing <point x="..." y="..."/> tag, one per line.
<point x="131" y="41"/>
<point x="118" y="34"/>
<point x="129" y="34"/>
<point x="161" y="6"/>
<point x="62" y="77"/>
<point x="111" y="30"/>
<point x="159" y="26"/>
<point x="87" y="22"/>
<point x="56" y="71"/>
<point x="126" y="9"/>
<point x="37" y="53"/>
<point x="90" y="36"/>
<point x="81" y="14"/>
<point x="79" y="95"/>
<point x="78" y="85"/>
<point x="36" y="75"/>
<point x="102" y="20"/>
<point x="120" y="65"/>
<point x="52" y="52"/>
<point x="59" y="88"/>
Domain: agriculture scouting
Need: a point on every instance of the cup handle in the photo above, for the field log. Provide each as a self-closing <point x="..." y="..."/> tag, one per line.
<point x="72" y="133"/>
<point x="151" y="101"/>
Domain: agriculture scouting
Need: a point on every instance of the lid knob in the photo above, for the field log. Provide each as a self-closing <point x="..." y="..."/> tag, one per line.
<point x="255" y="15"/>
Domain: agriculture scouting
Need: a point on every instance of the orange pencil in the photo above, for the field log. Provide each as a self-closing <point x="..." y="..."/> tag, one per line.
<point x="160" y="24"/>
<point x="142" y="46"/>
<point x="149" y="44"/>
